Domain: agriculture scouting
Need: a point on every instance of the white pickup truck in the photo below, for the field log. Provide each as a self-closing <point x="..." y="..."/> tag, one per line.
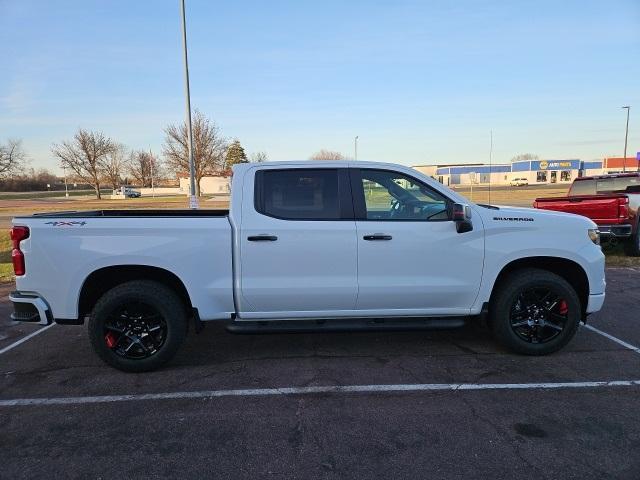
<point x="309" y="246"/>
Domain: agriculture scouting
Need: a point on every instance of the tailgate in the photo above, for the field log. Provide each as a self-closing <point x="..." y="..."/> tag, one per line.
<point x="602" y="209"/>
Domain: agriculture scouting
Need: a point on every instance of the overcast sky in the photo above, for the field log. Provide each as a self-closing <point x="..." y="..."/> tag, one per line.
<point x="419" y="82"/>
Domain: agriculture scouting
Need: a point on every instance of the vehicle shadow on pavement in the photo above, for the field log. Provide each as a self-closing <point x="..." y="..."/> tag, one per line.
<point x="60" y="362"/>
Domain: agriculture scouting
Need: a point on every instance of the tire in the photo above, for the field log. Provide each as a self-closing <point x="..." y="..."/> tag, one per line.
<point x="524" y="319"/>
<point x="138" y="326"/>
<point x="632" y="246"/>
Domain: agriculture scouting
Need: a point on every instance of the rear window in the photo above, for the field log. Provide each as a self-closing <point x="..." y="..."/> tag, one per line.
<point x="583" y="187"/>
<point x="303" y="194"/>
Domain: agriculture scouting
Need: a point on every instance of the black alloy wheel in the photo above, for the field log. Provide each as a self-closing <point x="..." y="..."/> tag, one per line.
<point x="539" y="315"/>
<point x="135" y="330"/>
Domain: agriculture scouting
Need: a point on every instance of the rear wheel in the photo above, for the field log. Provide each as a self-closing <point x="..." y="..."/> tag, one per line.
<point x="138" y="326"/>
<point x="632" y="246"/>
<point x="534" y="312"/>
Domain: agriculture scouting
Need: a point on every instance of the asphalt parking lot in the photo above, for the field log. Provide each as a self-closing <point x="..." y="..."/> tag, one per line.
<point x="496" y="425"/>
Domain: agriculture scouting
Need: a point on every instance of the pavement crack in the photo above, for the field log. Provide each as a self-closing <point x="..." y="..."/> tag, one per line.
<point x="507" y="438"/>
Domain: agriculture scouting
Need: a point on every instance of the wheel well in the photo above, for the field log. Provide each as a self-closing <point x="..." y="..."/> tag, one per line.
<point x="567" y="269"/>
<point x="104" y="279"/>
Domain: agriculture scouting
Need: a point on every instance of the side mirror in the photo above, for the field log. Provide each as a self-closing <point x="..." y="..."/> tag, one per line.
<point x="461" y="215"/>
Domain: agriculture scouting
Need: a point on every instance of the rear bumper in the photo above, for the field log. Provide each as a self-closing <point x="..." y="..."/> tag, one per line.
<point x="617" y="231"/>
<point x="595" y="302"/>
<point x="31" y="308"/>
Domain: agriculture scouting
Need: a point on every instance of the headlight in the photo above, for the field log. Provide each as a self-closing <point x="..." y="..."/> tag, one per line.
<point x="594" y="235"/>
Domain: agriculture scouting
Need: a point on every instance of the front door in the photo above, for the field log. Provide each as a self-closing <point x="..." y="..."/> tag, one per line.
<point x="298" y="249"/>
<point x="411" y="260"/>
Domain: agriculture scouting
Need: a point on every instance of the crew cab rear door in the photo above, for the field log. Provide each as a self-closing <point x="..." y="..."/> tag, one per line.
<point x="411" y="259"/>
<point x="298" y="248"/>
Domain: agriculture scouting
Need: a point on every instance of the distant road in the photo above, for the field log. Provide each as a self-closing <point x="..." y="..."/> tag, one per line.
<point x="563" y="187"/>
<point x="507" y="195"/>
<point x="52" y="194"/>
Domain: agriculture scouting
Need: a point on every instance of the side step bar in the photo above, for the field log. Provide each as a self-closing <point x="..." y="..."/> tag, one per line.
<point x="346" y="325"/>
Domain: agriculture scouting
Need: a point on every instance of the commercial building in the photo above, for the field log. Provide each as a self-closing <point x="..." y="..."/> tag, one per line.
<point x="618" y="164"/>
<point x="533" y="171"/>
<point x="466" y="174"/>
<point x="209" y="185"/>
<point x="547" y="171"/>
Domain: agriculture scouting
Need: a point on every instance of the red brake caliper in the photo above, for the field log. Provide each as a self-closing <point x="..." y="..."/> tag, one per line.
<point x="564" y="308"/>
<point x="110" y="339"/>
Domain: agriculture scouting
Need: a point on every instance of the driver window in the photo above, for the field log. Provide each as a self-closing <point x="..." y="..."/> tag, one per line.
<point x="393" y="196"/>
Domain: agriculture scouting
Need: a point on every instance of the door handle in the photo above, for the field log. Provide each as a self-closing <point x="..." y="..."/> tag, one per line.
<point x="377" y="236"/>
<point x="262" y="238"/>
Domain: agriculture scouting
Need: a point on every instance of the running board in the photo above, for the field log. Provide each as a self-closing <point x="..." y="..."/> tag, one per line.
<point x="346" y="325"/>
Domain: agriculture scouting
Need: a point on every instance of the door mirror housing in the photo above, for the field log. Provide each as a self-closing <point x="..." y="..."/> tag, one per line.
<point x="461" y="215"/>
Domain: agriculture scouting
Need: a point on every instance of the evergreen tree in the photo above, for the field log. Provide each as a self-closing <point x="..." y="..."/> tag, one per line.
<point x="235" y="154"/>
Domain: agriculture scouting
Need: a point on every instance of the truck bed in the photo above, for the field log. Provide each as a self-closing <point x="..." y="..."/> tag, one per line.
<point x="602" y="209"/>
<point x="129" y="213"/>
<point x="64" y="248"/>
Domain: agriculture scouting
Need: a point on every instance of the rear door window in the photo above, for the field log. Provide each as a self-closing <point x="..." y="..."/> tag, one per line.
<point x="302" y="194"/>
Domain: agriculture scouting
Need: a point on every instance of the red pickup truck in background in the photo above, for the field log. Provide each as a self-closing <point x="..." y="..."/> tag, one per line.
<point x="611" y="201"/>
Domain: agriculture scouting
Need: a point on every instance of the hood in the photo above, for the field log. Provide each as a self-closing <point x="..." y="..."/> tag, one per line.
<point x="531" y="217"/>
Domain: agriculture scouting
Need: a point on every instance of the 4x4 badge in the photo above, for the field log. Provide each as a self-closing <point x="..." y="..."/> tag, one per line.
<point x="66" y="224"/>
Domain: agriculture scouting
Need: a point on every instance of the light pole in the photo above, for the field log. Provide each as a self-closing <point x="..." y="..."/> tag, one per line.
<point x="355" y="146"/>
<point x="193" y="200"/>
<point x="153" y="190"/>
<point x="66" y="189"/>
<point x="626" y="134"/>
<point x="490" y="160"/>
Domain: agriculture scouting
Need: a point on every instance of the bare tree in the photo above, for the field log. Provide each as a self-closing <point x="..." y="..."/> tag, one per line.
<point x="209" y="148"/>
<point x="143" y="166"/>
<point x="12" y="157"/>
<point x="114" y="165"/>
<point x="86" y="156"/>
<point x="258" y="157"/>
<point x="525" y="156"/>
<point x="327" y="155"/>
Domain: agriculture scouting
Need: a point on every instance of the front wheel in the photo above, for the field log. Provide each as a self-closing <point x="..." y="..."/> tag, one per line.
<point x="138" y="326"/>
<point x="534" y="312"/>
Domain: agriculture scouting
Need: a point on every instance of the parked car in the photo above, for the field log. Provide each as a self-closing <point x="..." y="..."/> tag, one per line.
<point x="127" y="192"/>
<point x="315" y="246"/>
<point x="519" y="182"/>
<point x="611" y="201"/>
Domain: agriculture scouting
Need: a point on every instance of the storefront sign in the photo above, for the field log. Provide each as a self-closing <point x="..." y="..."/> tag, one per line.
<point x="555" y="165"/>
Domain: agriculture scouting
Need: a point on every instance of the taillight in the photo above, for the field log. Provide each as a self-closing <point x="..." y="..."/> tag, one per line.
<point x="623" y="209"/>
<point x="18" y="234"/>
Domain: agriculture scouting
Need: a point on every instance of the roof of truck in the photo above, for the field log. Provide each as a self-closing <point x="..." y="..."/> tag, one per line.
<point x="320" y="164"/>
<point x="610" y="175"/>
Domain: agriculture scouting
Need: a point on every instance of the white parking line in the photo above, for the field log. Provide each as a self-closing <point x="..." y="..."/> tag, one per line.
<point x="612" y="338"/>
<point x="425" y="387"/>
<point x="24" y="339"/>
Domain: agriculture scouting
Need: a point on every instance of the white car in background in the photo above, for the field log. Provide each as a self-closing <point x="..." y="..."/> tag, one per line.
<point x="519" y="182"/>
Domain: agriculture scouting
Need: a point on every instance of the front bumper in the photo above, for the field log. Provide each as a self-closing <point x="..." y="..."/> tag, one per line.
<point x="595" y="302"/>
<point x="31" y="308"/>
